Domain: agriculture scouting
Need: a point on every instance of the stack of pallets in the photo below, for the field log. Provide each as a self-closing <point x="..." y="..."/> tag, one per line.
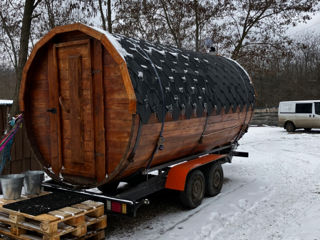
<point x="85" y="220"/>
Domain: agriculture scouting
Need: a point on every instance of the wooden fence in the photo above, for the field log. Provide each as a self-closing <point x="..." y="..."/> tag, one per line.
<point x="22" y="157"/>
<point x="265" y="116"/>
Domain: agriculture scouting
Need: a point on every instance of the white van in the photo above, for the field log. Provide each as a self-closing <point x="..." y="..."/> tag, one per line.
<point x="299" y="114"/>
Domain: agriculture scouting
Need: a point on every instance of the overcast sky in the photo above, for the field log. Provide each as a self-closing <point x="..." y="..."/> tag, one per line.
<point x="312" y="26"/>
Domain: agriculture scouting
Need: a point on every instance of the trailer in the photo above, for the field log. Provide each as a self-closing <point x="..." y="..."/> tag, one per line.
<point x="102" y="109"/>
<point x="195" y="177"/>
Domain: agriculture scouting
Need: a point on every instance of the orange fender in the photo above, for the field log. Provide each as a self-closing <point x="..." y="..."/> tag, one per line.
<point x="177" y="175"/>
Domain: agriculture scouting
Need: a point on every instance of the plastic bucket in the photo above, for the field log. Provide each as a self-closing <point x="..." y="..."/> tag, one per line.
<point x="32" y="182"/>
<point x="11" y="186"/>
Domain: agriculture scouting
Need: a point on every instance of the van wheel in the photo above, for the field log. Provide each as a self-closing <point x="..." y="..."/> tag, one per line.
<point x="214" y="180"/>
<point x="307" y="129"/>
<point x="193" y="192"/>
<point x="290" y="127"/>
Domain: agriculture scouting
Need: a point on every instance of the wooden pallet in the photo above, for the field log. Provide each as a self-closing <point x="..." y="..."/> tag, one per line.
<point x="80" y="221"/>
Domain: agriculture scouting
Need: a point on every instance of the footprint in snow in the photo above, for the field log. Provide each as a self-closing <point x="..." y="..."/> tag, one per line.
<point x="243" y="203"/>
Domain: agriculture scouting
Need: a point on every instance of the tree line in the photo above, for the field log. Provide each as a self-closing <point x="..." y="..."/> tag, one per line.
<point x="252" y="32"/>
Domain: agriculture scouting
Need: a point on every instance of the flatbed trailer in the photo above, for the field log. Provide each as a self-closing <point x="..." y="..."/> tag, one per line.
<point x="194" y="176"/>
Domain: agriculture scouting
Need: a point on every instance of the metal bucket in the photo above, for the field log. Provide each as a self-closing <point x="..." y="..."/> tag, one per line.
<point x="32" y="182"/>
<point x="11" y="186"/>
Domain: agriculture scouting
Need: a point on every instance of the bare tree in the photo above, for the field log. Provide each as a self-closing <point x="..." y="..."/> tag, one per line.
<point x="102" y="14"/>
<point x="20" y="53"/>
<point x="203" y="11"/>
<point x="255" y="25"/>
<point x="31" y="19"/>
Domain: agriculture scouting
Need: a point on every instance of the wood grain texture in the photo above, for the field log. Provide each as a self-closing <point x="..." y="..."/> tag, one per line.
<point x="98" y="109"/>
<point x="55" y="134"/>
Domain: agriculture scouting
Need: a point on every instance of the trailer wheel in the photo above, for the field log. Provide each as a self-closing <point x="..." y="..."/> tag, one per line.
<point x="109" y="188"/>
<point x="194" y="190"/>
<point x="290" y="127"/>
<point x="214" y="179"/>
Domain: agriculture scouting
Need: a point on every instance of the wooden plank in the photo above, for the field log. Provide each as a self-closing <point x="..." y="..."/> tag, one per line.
<point x="73" y="43"/>
<point x="55" y="135"/>
<point x="74" y="220"/>
<point x="77" y="133"/>
<point x="88" y="115"/>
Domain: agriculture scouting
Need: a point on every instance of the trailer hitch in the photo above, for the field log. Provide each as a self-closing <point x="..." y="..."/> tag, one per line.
<point x="239" y="154"/>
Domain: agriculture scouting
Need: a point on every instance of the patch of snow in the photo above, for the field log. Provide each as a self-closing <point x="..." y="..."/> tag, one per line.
<point x="162" y="52"/>
<point x="140" y="74"/>
<point x="113" y="40"/>
<point x="186" y="57"/>
<point x="5" y="102"/>
<point x="160" y="68"/>
<point x="144" y="66"/>
<point x="174" y="54"/>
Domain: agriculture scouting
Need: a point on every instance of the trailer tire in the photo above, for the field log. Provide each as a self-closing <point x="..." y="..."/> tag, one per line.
<point x="194" y="190"/>
<point x="214" y="179"/>
<point x="290" y="127"/>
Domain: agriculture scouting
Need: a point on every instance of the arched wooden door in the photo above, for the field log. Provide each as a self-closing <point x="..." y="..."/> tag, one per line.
<point x="77" y="109"/>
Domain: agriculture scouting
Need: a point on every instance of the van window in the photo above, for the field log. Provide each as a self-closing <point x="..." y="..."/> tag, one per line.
<point x="317" y="108"/>
<point x="304" y="108"/>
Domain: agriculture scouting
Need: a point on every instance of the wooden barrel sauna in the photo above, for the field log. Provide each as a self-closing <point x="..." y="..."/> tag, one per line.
<point x="101" y="107"/>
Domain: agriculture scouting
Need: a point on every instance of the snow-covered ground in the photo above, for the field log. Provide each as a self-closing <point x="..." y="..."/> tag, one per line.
<point x="273" y="194"/>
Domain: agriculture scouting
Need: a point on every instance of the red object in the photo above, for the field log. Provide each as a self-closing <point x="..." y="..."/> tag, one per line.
<point x="116" y="207"/>
<point x="178" y="174"/>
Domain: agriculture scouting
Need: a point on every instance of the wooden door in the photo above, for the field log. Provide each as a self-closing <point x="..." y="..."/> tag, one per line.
<point x="73" y="124"/>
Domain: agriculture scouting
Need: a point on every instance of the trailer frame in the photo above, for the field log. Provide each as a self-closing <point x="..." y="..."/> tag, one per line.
<point x="157" y="178"/>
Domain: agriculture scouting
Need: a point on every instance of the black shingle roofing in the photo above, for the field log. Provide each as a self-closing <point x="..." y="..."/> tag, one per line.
<point x="190" y="80"/>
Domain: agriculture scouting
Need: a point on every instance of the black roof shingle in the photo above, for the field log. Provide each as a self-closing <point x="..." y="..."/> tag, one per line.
<point x="190" y="81"/>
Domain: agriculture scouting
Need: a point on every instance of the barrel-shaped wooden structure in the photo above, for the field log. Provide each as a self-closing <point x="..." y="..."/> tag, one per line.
<point x="101" y="107"/>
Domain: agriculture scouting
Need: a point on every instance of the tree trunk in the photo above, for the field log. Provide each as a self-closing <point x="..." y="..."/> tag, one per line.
<point x="103" y="19"/>
<point x="197" y="24"/>
<point x="51" y="18"/>
<point x="109" y="17"/>
<point x="23" y="51"/>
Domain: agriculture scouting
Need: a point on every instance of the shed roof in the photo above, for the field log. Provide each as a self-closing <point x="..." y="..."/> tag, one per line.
<point x="187" y="81"/>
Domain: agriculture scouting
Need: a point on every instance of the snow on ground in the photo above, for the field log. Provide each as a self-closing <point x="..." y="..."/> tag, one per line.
<point x="273" y="194"/>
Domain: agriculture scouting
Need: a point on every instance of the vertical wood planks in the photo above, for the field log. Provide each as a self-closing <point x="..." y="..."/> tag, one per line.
<point x="98" y="109"/>
<point x="55" y="135"/>
<point x="76" y="102"/>
<point x="74" y="78"/>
